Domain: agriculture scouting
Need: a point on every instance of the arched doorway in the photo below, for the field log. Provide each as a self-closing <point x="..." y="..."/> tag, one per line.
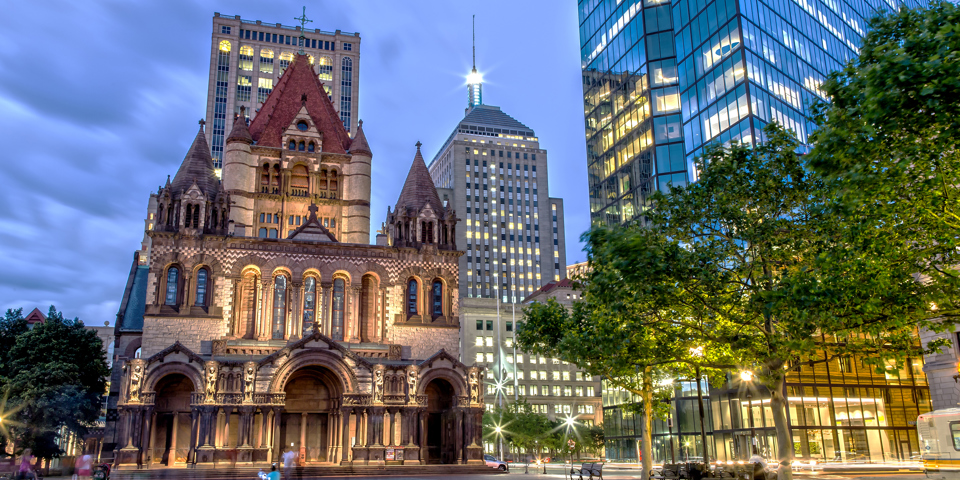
<point x="170" y="441"/>
<point x="307" y="425"/>
<point x="441" y="428"/>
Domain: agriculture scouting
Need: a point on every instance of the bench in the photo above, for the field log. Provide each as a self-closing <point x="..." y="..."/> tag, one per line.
<point x="668" y="472"/>
<point x="596" y="471"/>
<point x="584" y="469"/>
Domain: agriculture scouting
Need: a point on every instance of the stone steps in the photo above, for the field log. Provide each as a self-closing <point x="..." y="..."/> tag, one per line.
<point x="310" y="471"/>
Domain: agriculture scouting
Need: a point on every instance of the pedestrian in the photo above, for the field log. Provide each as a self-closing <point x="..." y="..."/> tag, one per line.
<point x="288" y="458"/>
<point x="26" y="465"/>
<point x="85" y="466"/>
<point x="274" y="474"/>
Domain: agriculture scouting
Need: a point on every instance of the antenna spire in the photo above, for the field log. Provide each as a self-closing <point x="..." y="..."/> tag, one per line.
<point x="474" y="43"/>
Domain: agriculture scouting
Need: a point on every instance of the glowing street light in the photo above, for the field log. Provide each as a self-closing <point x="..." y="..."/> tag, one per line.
<point x="746" y="376"/>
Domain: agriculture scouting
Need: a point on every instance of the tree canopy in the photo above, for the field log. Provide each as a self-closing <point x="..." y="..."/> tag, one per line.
<point x="52" y="376"/>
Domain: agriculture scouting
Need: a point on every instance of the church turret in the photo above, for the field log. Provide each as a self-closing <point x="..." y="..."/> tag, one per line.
<point x="356" y="190"/>
<point x="194" y="202"/>
<point x="239" y="176"/>
<point x="419" y="217"/>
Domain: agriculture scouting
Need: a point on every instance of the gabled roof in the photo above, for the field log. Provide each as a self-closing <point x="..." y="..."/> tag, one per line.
<point x="563" y="283"/>
<point x="197" y="167"/>
<point x="36" y="316"/>
<point x="177" y="347"/>
<point x="418" y="189"/>
<point x="298" y="87"/>
<point x="312" y="230"/>
<point x="443" y="354"/>
<point x="288" y="350"/>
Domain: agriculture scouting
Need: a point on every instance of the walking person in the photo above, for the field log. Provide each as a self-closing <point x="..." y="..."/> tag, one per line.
<point x="85" y="467"/>
<point x="26" y="465"/>
<point x="289" y="457"/>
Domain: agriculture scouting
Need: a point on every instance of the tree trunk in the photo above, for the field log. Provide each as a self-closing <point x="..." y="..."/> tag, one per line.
<point x="778" y="404"/>
<point x="646" y="446"/>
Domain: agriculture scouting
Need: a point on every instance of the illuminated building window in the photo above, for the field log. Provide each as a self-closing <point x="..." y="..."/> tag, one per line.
<point x="412" y="297"/>
<point x="244" y="88"/>
<point x="266" y="62"/>
<point x="325" y="73"/>
<point x="264" y="87"/>
<point x="437" y="298"/>
<point x="245" y="59"/>
<point x="285" y="59"/>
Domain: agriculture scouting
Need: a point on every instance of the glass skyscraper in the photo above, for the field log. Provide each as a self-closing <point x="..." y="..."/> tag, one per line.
<point x="663" y="79"/>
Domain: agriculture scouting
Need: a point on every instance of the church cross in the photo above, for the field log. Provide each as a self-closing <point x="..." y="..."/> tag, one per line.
<point x="202" y="122"/>
<point x="313" y="210"/>
<point x="303" y="23"/>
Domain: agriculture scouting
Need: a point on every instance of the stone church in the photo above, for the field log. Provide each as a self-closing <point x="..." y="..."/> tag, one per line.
<point x="258" y="317"/>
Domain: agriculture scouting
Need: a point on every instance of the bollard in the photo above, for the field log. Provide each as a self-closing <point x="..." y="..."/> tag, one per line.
<point x="526" y="466"/>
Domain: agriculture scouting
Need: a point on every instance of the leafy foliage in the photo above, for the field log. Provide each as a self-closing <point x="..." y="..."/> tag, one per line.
<point x="52" y="376"/>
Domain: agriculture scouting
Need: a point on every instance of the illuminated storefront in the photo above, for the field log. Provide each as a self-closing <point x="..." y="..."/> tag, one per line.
<point x="839" y="411"/>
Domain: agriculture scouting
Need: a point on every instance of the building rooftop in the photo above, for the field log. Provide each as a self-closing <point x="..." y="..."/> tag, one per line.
<point x="490" y="121"/>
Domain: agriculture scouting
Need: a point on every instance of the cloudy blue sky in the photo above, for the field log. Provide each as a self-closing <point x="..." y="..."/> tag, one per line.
<point x="99" y="101"/>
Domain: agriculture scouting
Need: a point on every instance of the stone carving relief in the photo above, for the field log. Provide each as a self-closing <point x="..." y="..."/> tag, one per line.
<point x="211" y="372"/>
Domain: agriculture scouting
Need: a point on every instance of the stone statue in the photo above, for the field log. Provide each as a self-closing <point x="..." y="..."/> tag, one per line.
<point x="249" y="374"/>
<point x="211" y="381"/>
<point x="474" y="382"/>
<point x="378" y="386"/>
<point x="136" y="381"/>
<point x="411" y="385"/>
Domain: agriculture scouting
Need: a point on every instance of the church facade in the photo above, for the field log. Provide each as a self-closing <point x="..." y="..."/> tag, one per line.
<point x="258" y="318"/>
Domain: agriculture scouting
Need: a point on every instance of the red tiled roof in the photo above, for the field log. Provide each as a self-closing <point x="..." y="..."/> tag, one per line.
<point x="563" y="283"/>
<point x="285" y="102"/>
<point x="418" y="189"/>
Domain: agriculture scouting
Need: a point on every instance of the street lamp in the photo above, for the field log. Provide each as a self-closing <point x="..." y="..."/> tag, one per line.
<point x="566" y="433"/>
<point x="499" y="431"/>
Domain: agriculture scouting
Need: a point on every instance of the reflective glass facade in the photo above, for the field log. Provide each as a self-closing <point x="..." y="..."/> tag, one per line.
<point x="839" y="411"/>
<point x="662" y="79"/>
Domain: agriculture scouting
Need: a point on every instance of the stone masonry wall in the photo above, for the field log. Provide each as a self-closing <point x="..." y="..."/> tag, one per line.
<point x="194" y="333"/>
<point x="424" y="341"/>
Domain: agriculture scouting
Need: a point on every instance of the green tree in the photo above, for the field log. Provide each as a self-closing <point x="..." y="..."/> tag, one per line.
<point x="12" y="325"/>
<point x="55" y="377"/>
<point x="520" y="426"/>
<point x="752" y="267"/>
<point x="888" y="143"/>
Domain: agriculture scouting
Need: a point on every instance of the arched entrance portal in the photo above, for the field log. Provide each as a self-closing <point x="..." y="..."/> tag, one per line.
<point x="308" y="425"/>
<point x="171" y="438"/>
<point x="441" y="423"/>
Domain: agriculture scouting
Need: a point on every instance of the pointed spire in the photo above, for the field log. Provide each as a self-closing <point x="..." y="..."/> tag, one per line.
<point x="197" y="167"/>
<point x="359" y="145"/>
<point x="240" y="132"/>
<point x="419" y="190"/>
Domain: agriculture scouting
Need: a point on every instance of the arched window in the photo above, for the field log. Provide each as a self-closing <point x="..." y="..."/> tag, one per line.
<point x="246" y="58"/>
<point x="412" y="297"/>
<point x="285" y="59"/>
<point x="266" y="61"/>
<point x="196" y="216"/>
<point x="437" y="298"/>
<point x="138" y="352"/>
<point x="337" y="310"/>
<point x="292" y="145"/>
<point x="173" y="276"/>
<point x="279" y="306"/>
<point x="300" y="181"/>
<point x="312" y="147"/>
<point x="309" y="303"/>
<point x="201" y="287"/>
<point x="302" y="146"/>
<point x="225" y="46"/>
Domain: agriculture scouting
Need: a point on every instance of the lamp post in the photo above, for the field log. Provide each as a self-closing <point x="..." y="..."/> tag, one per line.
<point x="566" y="433"/>
<point x="500" y="439"/>
<point x="747" y="376"/>
<point x="697" y="352"/>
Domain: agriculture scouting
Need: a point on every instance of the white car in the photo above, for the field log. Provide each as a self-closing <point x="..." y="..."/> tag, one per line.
<point x="494" y="463"/>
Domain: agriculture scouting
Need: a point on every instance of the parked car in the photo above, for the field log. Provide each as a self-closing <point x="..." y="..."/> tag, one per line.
<point x="492" y="462"/>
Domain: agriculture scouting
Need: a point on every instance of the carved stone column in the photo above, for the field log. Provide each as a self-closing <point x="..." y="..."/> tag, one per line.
<point x="345" y="430"/>
<point x="172" y="452"/>
<point x="146" y="436"/>
<point x="261" y="301"/>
